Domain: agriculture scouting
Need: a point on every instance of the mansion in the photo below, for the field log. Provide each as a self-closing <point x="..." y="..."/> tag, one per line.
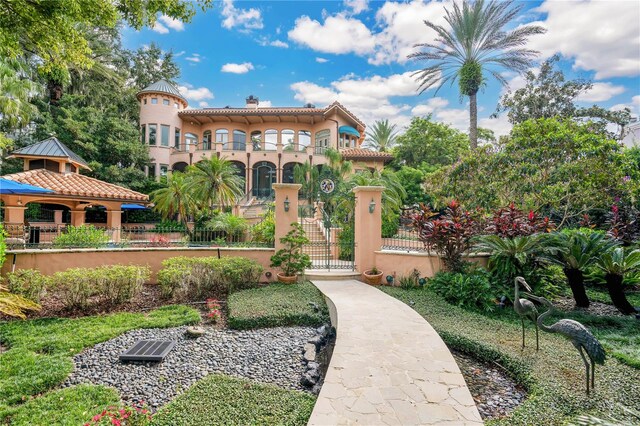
<point x="265" y="143"/>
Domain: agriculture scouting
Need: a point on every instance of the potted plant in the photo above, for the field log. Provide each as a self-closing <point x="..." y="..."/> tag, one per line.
<point x="372" y="276"/>
<point x="290" y="258"/>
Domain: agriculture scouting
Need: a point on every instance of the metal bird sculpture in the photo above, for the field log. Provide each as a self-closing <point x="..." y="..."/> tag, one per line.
<point x="578" y="335"/>
<point x="525" y="308"/>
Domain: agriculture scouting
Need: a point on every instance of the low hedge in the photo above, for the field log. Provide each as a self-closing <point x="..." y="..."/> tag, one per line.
<point x="183" y="278"/>
<point x="277" y="305"/>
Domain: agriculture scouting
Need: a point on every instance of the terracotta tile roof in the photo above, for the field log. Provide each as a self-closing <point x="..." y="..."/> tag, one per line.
<point x="365" y="154"/>
<point x="75" y="184"/>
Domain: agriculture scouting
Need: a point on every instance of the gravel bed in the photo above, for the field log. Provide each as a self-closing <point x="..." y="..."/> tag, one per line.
<point x="567" y="304"/>
<point x="495" y="393"/>
<point x="271" y="355"/>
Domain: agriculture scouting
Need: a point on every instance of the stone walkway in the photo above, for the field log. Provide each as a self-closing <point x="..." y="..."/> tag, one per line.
<point x="389" y="366"/>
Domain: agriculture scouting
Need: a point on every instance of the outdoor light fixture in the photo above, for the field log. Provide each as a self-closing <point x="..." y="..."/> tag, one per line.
<point x="286" y="204"/>
<point x="372" y="206"/>
<point x="390" y="279"/>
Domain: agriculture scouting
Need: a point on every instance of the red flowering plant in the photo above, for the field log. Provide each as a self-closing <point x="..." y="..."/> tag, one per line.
<point x="214" y="313"/>
<point x="159" y="241"/>
<point x="137" y="415"/>
<point x="449" y="234"/>
<point x="624" y="223"/>
<point x="510" y="222"/>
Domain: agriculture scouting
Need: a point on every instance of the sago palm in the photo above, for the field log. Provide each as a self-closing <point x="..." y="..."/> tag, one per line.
<point x="215" y="182"/>
<point x="471" y="45"/>
<point x="382" y="136"/>
<point x="615" y="263"/>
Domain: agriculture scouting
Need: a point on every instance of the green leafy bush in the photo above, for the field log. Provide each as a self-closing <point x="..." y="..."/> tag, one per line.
<point x="3" y="244"/>
<point x="264" y="232"/>
<point x="29" y="283"/>
<point x="112" y="284"/>
<point x="196" y="277"/>
<point x="470" y="289"/>
<point x="390" y="224"/>
<point x="81" y="236"/>
<point x="291" y="258"/>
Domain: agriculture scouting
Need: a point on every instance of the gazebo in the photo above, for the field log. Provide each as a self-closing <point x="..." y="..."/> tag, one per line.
<point x="52" y="165"/>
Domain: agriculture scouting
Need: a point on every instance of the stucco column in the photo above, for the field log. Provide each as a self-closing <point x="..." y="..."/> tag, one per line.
<point x="14" y="215"/>
<point x="77" y="217"/>
<point x="114" y="222"/>
<point x="57" y="217"/>
<point x="368" y="225"/>
<point x="284" y="219"/>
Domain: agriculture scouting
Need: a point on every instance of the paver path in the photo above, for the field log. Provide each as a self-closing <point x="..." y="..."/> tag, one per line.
<point x="389" y="366"/>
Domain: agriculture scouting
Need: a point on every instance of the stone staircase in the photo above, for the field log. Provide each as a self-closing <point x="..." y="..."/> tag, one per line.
<point x="318" y="247"/>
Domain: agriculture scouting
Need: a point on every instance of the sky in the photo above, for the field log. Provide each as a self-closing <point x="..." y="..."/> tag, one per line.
<point x="289" y="53"/>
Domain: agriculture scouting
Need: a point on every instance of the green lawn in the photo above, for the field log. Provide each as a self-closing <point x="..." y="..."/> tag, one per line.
<point x="277" y="305"/>
<point x="40" y="354"/>
<point x="554" y="375"/>
<point x="224" y="400"/>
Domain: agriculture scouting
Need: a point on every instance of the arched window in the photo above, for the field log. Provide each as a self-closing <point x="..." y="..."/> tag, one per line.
<point x="239" y="140"/>
<point x="287" y="138"/>
<point x="270" y="139"/>
<point x="222" y="136"/>
<point x="304" y="140"/>
<point x="256" y="140"/>
<point x="322" y="141"/>
<point x="264" y="175"/>
<point x="190" y="139"/>
<point x="206" y="140"/>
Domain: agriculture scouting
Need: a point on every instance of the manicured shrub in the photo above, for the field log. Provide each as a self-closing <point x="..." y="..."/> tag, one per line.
<point x="470" y="289"/>
<point x="187" y="277"/>
<point x="75" y="286"/>
<point x="81" y="236"/>
<point x="29" y="283"/>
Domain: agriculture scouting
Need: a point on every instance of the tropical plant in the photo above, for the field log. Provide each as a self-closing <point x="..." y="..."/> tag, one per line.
<point x="615" y="263"/>
<point x="449" y="235"/>
<point x="291" y="258"/>
<point x="264" y="231"/>
<point x="233" y="226"/>
<point x="470" y="289"/>
<point x="215" y="182"/>
<point x="623" y="223"/>
<point x="309" y="177"/>
<point x="382" y="136"/>
<point x="175" y="199"/>
<point x="392" y="194"/>
<point x="81" y="236"/>
<point x="15" y="93"/>
<point x="575" y="251"/>
<point x="512" y="222"/>
<point x="474" y="42"/>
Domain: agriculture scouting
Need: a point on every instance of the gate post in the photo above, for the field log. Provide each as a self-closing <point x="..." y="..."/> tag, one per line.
<point x="285" y="192"/>
<point x="367" y="225"/>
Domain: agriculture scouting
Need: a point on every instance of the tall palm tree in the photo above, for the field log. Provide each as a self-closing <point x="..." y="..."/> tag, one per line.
<point x="215" y="181"/>
<point x="382" y="136"/>
<point x="471" y="44"/>
<point x="392" y="194"/>
<point x="175" y="199"/>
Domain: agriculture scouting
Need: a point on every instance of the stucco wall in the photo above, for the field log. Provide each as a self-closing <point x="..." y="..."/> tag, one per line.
<point x="49" y="262"/>
<point x="402" y="263"/>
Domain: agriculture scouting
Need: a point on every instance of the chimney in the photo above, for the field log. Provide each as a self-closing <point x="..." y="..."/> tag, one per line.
<point x="252" y="102"/>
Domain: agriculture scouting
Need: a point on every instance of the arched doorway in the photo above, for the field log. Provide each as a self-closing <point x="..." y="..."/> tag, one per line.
<point x="287" y="172"/>
<point x="264" y="175"/>
<point x="180" y="166"/>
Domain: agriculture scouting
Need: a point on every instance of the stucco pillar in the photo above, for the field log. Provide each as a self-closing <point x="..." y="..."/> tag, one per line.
<point x="14" y="215"/>
<point x="284" y="219"/>
<point x="57" y="217"/>
<point x="77" y="217"/>
<point x="368" y="225"/>
<point x="114" y="222"/>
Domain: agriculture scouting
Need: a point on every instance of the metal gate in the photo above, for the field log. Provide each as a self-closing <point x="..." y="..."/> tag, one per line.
<point x="331" y="239"/>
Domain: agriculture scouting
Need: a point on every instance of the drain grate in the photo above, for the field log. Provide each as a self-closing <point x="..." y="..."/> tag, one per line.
<point x="148" y="350"/>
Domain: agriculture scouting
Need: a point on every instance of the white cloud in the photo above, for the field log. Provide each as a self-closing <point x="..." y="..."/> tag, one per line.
<point x="279" y="43"/>
<point x="634" y="106"/>
<point x="180" y="53"/>
<point x="243" y="68"/>
<point x="174" y="24"/>
<point x="245" y="19"/>
<point x="159" y="28"/>
<point x="338" y="34"/>
<point x="601" y="92"/>
<point x="499" y="125"/>
<point x="599" y="35"/>
<point x="265" y="104"/>
<point x="203" y="104"/>
<point x="321" y="60"/>
<point x="198" y="94"/>
<point x="195" y="58"/>
<point x="357" y="6"/>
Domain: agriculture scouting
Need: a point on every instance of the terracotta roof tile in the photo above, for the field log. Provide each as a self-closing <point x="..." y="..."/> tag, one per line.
<point x="75" y="184"/>
<point x="366" y="154"/>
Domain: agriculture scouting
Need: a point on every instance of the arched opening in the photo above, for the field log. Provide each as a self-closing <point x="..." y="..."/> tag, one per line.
<point x="180" y="166"/>
<point x="287" y="138"/>
<point x="222" y="136"/>
<point x="256" y="140"/>
<point x="304" y="140"/>
<point x="239" y="140"/>
<point x="43" y="222"/>
<point x="190" y="139"/>
<point x="322" y="141"/>
<point x="206" y="140"/>
<point x="270" y="140"/>
<point x="264" y="176"/>
<point x="287" y="172"/>
<point x="241" y="169"/>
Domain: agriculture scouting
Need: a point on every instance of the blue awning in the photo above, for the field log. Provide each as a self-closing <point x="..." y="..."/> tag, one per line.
<point x="132" y="207"/>
<point x="10" y="187"/>
<point x="349" y="131"/>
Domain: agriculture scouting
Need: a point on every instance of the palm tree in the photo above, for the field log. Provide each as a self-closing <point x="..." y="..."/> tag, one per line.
<point x="15" y="92"/>
<point x="382" y="136"/>
<point x="215" y="181"/>
<point x="175" y="199"/>
<point x="393" y="192"/>
<point x="474" y="41"/>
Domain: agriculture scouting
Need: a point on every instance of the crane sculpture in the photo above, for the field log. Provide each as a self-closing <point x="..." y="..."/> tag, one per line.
<point x="525" y="308"/>
<point x="580" y="337"/>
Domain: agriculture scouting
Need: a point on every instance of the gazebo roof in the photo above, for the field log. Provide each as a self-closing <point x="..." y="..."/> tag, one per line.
<point x="50" y="147"/>
<point x="76" y="185"/>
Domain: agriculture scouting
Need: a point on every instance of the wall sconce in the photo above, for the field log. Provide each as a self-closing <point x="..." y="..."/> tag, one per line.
<point x="372" y="206"/>
<point x="287" y="203"/>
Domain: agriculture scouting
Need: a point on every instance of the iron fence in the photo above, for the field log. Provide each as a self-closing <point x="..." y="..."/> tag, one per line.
<point x="406" y="237"/>
<point x="63" y="236"/>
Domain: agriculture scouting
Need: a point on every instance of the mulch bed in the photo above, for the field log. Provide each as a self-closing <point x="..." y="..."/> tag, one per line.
<point x="567" y="304"/>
